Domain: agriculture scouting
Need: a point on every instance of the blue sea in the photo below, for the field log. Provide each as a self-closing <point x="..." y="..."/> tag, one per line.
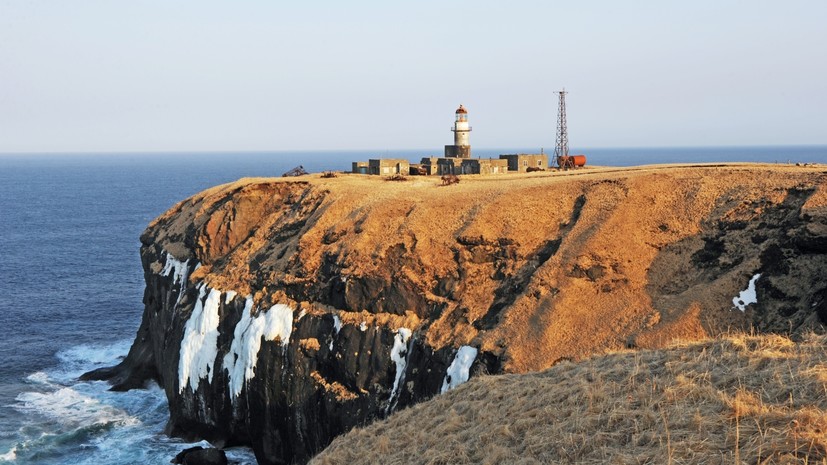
<point x="71" y="283"/>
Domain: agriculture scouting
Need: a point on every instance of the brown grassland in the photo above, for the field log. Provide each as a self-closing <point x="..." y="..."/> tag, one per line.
<point x="739" y="399"/>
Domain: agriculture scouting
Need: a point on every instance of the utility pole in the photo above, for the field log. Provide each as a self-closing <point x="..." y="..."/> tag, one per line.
<point x="561" y="150"/>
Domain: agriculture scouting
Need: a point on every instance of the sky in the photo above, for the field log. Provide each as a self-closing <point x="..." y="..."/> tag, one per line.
<point x="208" y="75"/>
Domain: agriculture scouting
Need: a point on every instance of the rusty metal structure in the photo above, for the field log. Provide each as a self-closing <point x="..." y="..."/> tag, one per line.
<point x="561" y="149"/>
<point x="576" y="161"/>
<point x="297" y="171"/>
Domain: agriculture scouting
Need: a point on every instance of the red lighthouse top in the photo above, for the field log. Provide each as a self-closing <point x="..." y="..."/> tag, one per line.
<point x="461" y="109"/>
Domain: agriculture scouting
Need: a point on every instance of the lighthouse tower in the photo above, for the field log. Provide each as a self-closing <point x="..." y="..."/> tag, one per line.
<point x="461" y="130"/>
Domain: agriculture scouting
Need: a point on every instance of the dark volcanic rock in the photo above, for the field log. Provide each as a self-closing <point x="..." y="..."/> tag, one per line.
<point x="200" y="456"/>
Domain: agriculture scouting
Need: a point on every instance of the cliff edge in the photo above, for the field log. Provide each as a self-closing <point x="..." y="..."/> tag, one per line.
<point x="282" y="313"/>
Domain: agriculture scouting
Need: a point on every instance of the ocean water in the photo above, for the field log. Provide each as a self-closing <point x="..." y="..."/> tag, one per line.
<point x="71" y="283"/>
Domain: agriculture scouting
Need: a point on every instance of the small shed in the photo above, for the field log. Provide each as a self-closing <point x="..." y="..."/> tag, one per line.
<point x="484" y="166"/>
<point x="520" y="162"/>
<point x="360" y="167"/>
<point x="388" y="166"/>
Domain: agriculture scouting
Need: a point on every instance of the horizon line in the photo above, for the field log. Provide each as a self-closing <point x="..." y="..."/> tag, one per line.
<point x="279" y="151"/>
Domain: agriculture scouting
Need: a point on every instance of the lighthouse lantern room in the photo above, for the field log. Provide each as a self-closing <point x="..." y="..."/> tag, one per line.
<point x="461" y="130"/>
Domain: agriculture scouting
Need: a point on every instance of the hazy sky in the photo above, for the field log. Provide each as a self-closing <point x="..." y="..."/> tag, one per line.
<point x="146" y="75"/>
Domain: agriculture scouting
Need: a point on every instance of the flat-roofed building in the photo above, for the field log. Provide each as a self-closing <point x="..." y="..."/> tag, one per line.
<point x="382" y="166"/>
<point x="521" y="162"/>
<point x="484" y="166"/>
<point x="360" y="167"/>
<point x="449" y="166"/>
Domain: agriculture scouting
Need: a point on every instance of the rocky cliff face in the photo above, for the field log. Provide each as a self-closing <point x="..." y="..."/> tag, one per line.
<point x="281" y="314"/>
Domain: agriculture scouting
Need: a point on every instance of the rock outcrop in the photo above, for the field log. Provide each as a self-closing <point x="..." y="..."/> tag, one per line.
<point x="282" y="313"/>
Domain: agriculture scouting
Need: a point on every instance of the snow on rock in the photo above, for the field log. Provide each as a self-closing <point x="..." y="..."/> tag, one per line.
<point x="399" y="354"/>
<point x="337" y="326"/>
<point x="179" y="270"/>
<point x="459" y="369"/>
<point x="363" y="326"/>
<point x="240" y="361"/>
<point x="199" y="347"/>
<point x="747" y="296"/>
<point x="229" y="296"/>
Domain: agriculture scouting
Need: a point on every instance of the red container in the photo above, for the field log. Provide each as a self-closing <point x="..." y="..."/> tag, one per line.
<point x="577" y="160"/>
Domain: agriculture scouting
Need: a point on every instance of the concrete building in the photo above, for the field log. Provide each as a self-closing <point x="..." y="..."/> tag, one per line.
<point x="429" y="164"/>
<point x="360" y="167"/>
<point x="462" y="132"/>
<point x="484" y="166"/>
<point x="449" y="165"/>
<point x="388" y="166"/>
<point x="521" y="162"/>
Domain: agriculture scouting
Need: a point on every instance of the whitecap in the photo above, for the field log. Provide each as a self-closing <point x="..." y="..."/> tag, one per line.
<point x="71" y="408"/>
<point x="39" y="377"/>
<point x="9" y="456"/>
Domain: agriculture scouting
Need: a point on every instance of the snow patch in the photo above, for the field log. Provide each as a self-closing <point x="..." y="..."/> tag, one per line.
<point x="229" y="296"/>
<point x="301" y="314"/>
<point x="199" y="347"/>
<point x="399" y="354"/>
<point x="363" y="326"/>
<point x="747" y="296"/>
<point x="337" y="326"/>
<point x="240" y="361"/>
<point x="459" y="369"/>
<point x="179" y="271"/>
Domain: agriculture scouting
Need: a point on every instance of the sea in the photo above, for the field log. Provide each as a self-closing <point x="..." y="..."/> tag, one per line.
<point x="71" y="282"/>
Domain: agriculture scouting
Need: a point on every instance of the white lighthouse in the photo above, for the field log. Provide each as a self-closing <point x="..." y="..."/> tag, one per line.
<point x="461" y="130"/>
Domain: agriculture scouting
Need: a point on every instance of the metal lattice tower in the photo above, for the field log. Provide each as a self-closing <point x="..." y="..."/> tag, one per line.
<point x="561" y="150"/>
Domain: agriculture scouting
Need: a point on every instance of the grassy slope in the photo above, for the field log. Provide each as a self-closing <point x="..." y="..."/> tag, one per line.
<point x="741" y="399"/>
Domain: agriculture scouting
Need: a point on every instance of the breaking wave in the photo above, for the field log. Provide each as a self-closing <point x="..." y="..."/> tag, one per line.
<point x="64" y="421"/>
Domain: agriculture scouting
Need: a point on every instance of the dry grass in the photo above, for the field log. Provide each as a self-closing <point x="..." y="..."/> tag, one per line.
<point x="742" y="399"/>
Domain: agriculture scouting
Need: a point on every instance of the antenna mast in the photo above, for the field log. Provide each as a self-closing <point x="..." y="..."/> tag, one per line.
<point x="561" y="150"/>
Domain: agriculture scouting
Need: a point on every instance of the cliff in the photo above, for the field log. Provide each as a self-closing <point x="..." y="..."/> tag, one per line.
<point x="282" y="313"/>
